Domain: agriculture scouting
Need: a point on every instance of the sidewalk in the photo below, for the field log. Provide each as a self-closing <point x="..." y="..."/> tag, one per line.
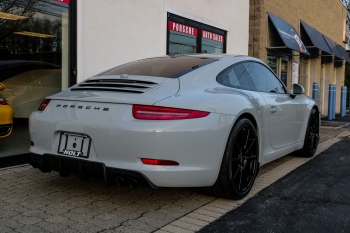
<point x="338" y="122"/>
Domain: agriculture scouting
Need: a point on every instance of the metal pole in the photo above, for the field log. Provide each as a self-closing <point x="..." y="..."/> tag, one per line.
<point x="330" y="102"/>
<point x="334" y="99"/>
<point x="315" y="91"/>
<point x="343" y="101"/>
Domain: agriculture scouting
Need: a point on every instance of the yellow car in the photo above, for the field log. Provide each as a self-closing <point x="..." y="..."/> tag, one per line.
<point x="6" y="116"/>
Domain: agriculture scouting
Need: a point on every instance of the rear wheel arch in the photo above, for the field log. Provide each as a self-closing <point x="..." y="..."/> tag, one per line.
<point x="250" y="117"/>
<point x="224" y="185"/>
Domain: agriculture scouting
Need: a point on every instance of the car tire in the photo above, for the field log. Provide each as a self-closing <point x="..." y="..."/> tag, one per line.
<point x="312" y="136"/>
<point x="239" y="165"/>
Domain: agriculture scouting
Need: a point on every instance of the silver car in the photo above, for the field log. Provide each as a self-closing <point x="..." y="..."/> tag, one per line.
<point x="195" y="120"/>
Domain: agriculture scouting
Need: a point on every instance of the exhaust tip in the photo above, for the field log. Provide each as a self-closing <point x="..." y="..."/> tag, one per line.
<point x="120" y="181"/>
<point x="33" y="163"/>
<point x="133" y="183"/>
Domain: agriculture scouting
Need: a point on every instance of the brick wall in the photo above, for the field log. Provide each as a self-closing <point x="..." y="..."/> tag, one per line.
<point x="327" y="16"/>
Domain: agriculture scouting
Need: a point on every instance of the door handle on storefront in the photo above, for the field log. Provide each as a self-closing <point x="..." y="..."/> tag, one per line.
<point x="273" y="109"/>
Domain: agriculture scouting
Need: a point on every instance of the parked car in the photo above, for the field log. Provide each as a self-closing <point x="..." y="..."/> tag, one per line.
<point x="6" y="116"/>
<point x="201" y="120"/>
<point x="28" y="83"/>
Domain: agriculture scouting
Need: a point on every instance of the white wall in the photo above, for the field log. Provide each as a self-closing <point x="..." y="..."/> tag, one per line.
<point x="113" y="32"/>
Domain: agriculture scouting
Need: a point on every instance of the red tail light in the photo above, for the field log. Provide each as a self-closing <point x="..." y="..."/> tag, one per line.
<point x="2" y="101"/>
<point x="44" y="104"/>
<point x="159" y="162"/>
<point x="161" y="113"/>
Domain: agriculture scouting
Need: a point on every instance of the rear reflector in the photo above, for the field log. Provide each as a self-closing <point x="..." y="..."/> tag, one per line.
<point x="159" y="162"/>
<point x="31" y="143"/>
<point x="44" y="104"/>
<point x="161" y="113"/>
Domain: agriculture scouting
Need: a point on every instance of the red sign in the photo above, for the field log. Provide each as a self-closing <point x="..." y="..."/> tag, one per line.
<point x="212" y="36"/>
<point x="178" y="27"/>
<point x="63" y="1"/>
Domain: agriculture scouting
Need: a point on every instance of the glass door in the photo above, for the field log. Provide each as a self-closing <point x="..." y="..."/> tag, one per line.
<point x="33" y="63"/>
<point x="303" y="75"/>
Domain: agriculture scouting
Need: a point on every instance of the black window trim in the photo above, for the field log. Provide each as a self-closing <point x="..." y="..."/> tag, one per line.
<point x="199" y="26"/>
<point x="72" y="49"/>
<point x="285" y="88"/>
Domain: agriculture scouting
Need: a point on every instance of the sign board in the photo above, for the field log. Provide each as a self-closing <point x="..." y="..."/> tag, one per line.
<point x="63" y="1"/>
<point x="295" y="73"/>
<point x="288" y="34"/>
<point x="284" y="72"/>
<point x="178" y="27"/>
<point x="212" y="36"/>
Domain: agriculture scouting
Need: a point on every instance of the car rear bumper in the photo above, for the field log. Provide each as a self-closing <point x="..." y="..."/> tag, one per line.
<point x="119" y="141"/>
<point x="87" y="170"/>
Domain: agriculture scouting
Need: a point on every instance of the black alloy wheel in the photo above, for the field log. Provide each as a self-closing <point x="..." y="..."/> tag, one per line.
<point x="312" y="136"/>
<point x="240" y="164"/>
<point x="314" y="132"/>
<point x="244" y="160"/>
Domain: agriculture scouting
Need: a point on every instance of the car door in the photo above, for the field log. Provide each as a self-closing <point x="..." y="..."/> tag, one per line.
<point x="285" y="113"/>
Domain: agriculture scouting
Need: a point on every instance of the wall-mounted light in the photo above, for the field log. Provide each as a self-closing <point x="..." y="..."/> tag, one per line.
<point x="11" y="16"/>
<point x="34" y="34"/>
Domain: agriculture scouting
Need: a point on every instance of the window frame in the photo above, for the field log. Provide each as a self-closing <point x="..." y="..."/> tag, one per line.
<point x="72" y="48"/>
<point x="199" y="26"/>
<point x="253" y="61"/>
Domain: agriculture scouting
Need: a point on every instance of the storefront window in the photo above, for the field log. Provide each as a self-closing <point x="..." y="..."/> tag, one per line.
<point x="186" y="36"/>
<point x="182" y="38"/>
<point x="272" y="62"/>
<point x="212" y="42"/>
<point x="303" y="77"/>
<point x="33" y="63"/>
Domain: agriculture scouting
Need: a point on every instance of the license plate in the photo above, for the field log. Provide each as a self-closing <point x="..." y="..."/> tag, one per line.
<point x="76" y="145"/>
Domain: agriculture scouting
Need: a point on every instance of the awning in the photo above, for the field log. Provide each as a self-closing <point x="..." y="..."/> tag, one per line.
<point x="332" y="45"/>
<point x="313" y="36"/>
<point x="343" y="52"/>
<point x="288" y="35"/>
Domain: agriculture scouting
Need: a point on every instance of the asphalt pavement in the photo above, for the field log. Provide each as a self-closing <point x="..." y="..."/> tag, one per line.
<point x="312" y="198"/>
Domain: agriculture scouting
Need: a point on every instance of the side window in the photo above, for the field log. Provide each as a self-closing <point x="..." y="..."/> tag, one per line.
<point x="236" y="76"/>
<point x="263" y="79"/>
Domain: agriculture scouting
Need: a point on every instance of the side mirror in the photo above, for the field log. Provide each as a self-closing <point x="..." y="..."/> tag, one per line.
<point x="2" y="87"/>
<point x="297" y="89"/>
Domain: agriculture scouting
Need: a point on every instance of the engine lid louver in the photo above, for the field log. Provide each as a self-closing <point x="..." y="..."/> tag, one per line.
<point x="116" y="85"/>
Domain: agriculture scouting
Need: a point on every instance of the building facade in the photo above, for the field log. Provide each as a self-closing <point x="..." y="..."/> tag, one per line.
<point x="319" y="26"/>
<point x="113" y="32"/>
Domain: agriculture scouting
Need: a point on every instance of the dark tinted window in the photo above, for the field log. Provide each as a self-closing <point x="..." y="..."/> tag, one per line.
<point x="161" y="67"/>
<point x="236" y="76"/>
<point x="263" y="79"/>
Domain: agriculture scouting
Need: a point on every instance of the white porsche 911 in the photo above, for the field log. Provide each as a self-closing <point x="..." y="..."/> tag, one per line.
<point x="196" y="120"/>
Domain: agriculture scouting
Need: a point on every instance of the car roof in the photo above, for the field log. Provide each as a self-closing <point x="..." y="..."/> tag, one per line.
<point x="218" y="56"/>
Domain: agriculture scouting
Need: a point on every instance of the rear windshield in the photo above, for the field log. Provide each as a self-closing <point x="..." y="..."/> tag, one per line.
<point x="168" y="67"/>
